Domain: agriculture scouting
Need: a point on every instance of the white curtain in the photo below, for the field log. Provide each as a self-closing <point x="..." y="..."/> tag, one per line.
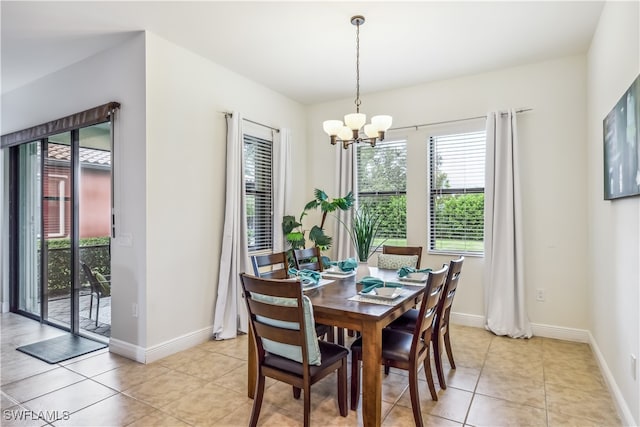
<point x="504" y="276"/>
<point x="230" y="312"/>
<point x="346" y="182"/>
<point x="281" y="184"/>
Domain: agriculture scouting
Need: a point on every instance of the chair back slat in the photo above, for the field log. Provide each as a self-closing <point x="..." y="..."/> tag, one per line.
<point x="273" y="311"/>
<point x="308" y="259"/>
<point x="449" y="292"/>
<point x="432" y="293"/>
<point x="404" y="250"/>
<point x="277" y="334"/>
<point x="271" y="266"/>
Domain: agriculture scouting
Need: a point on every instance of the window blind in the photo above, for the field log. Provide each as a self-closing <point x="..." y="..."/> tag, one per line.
<point x="456" y="200"/>
<point x="259" y="204"/>
<point x="382" y="184"/>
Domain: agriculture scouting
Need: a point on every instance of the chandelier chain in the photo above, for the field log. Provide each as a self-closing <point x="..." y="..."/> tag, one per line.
<point x="357" y="101"/>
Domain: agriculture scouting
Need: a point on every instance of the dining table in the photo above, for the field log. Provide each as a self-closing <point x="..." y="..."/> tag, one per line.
<point x="338" y="303"/>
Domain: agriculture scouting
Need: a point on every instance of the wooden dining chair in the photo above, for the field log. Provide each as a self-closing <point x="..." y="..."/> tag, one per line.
<point x="271" y="266"/>
<point x="308" y="259"/>
<point x="287" y="350"/>
<point x="276" y="266"/>
<point x="404" y="250"/>
<point x="404" y="350"/>
<point x="407" y="322"/>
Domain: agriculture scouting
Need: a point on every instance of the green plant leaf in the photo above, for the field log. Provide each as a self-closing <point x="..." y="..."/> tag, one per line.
<point x="320" y="195"/>
<point x="289" y="223"/>
<point x="311" y="205"/>
<point x="316" y="235"/>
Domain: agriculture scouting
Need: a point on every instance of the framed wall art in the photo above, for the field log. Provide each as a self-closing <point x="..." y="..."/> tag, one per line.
<point x="621" y="130"/>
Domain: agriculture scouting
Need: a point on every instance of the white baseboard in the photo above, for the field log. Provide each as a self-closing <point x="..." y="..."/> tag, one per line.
<point x="540" y="330"/>
<point x="181" y="343"/>
<point x="157" y="352"/>
<point x="618" y="399"/>
<point x="127" y="350"/>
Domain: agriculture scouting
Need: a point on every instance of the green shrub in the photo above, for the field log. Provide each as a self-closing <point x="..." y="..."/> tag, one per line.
<point x="94" y="251"/>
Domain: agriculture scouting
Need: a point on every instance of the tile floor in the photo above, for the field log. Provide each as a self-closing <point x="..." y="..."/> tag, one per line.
<point x="498" y="382"/>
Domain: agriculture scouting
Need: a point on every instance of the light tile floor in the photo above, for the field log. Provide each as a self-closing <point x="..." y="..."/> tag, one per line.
<point x="498" y="382"/>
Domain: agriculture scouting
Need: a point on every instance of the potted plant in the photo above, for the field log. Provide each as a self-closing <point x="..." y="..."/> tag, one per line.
<point x="363" y="232"/>
<point x="292" y="227"/>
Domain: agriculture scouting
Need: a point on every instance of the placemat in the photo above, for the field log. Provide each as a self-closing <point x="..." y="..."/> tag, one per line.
<point x="337" y="275"/>
<point x="404" y="293"/>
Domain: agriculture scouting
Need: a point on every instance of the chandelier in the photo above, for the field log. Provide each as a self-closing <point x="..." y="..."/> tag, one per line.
<point x="349" y="131"/>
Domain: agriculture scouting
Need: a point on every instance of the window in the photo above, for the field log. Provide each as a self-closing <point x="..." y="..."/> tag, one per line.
<point x="382" y="184"/>
<point x="456" y="200"/>
<point x="257" y="177"/>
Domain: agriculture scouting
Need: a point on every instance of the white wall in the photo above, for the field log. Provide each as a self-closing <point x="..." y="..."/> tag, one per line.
<point x="552" y="140"/>
<point x="614" y="226"/>
<point x="186" y="179"/>
<point x="113" y="75"/>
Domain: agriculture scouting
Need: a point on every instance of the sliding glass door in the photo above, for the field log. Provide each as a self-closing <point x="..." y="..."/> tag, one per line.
<point x="63" y="220"/>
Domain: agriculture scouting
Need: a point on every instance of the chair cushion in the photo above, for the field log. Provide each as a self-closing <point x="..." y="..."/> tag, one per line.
<point x="286" y="350"/>
<point x="330" y="353"/>
<point x="104" y="284"/>
<point x="406" y="322"/>
<point x="395" y="262"/>
<point x="396" y="345"/>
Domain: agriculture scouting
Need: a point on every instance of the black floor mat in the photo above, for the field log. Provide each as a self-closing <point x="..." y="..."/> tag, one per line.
<point x="61" y="348"/>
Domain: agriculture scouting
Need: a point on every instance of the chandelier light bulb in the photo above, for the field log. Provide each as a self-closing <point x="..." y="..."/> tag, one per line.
<point x="332" y="127"/>
<point x="355" y="120"/>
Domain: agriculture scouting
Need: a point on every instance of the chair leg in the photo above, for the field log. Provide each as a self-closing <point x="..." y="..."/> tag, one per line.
<point x="447" y="345"/>
<point x="340" y="332"/>
<point x="257" y="401"/>
<point x="307" y="406"/>
<point x="355" y="380"/>
<point x="429" y="375"/>
<point x="97" y="309"/>
<point x="437" y="357"/>
<point x="296" y="392"/>
<point x="342" y="389"/>
<point x="90" y="305"/>
<point x="415" y="397"/>
<point x="387" y="368"/>
<point x="331" y="335"/>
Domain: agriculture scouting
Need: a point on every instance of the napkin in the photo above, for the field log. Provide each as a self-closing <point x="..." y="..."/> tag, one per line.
<point x="348" y="264"/>
<point x="405" y="271"/>
<point x="307" y="277"/>
<point x="369" y="283"/>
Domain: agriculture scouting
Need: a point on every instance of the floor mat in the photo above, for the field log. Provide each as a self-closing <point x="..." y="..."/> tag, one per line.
<point x="61" y="348"/>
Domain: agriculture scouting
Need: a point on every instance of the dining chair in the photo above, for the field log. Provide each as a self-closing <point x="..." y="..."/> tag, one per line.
<point x="407" y="322"/>
<point x="271" y="266"/>
<point x="276" y="266"/>
<point x="287" y="350"/>
<point x="308" y="259"/>
<point x="100" y="288"/>
<point x="407" y="351"/>
<point x="404" y="250"/>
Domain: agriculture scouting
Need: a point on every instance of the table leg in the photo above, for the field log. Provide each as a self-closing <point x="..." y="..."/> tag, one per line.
<point x="371" y="377"/>
<point x="251" y="366"/>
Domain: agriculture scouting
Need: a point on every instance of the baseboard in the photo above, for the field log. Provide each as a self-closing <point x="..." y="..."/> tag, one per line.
<point x="127" y="350"/>
<point x="178" y="344"/>
<point x="157" y="352"/>
<point x="618" y="399"/>
<point x="540" y="330"/>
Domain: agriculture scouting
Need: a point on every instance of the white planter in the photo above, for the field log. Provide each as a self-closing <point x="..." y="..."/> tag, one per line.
<point x="362" y="271"/>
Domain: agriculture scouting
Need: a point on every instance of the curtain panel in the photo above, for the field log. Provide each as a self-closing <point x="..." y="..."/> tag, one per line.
<point x="230" y="310"/>
<point x="505" y="308"/>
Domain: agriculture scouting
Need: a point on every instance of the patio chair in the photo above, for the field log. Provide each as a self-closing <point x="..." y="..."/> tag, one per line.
<point x="100" y="287"/>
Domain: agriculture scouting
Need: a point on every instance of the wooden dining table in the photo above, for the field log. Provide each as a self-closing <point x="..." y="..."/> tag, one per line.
<point x="332" y="306"/>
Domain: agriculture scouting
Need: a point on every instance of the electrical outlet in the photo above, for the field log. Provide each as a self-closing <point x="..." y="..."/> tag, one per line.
<point x="540" y="295"/>
<point x="634" y="366"/>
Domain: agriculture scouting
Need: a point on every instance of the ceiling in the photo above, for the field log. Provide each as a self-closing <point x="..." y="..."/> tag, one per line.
<point x="304" y="50"/>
